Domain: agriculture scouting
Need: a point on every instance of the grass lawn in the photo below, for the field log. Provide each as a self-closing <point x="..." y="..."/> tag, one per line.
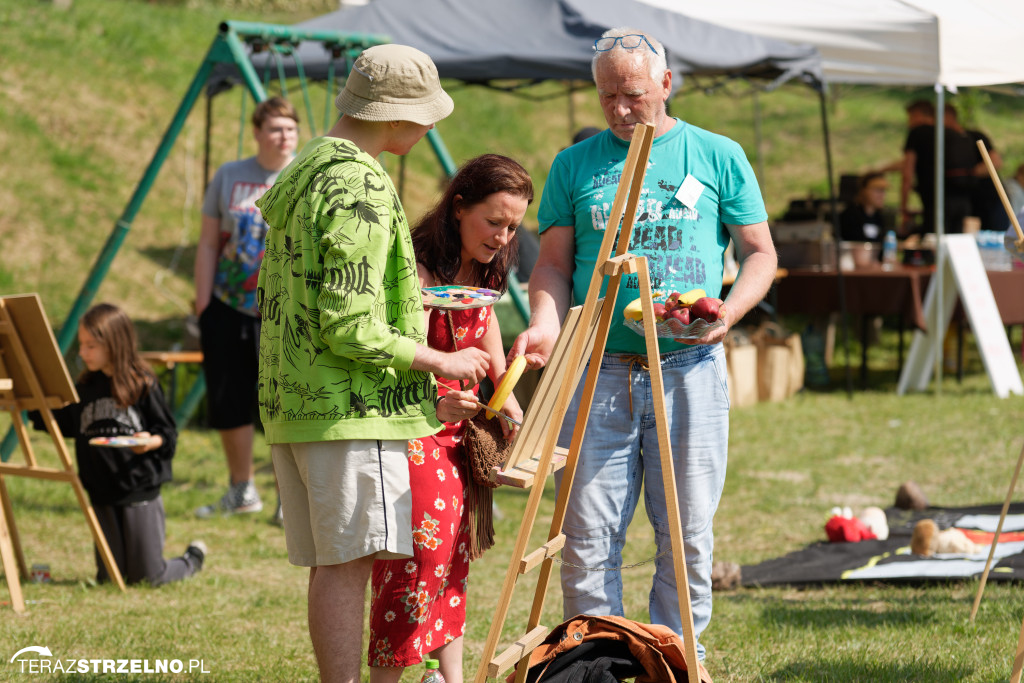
<point x="88" y="92"/>
<point x="244" y="615"/>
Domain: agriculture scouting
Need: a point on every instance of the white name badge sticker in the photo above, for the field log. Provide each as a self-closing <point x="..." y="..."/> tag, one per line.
<point x="689" y="192"/>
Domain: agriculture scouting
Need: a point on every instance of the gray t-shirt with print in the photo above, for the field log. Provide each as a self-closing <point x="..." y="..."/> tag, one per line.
<point x="231" y="199"/>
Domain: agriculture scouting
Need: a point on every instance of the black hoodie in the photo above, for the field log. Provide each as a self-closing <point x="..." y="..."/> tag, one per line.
<point x="117" y="476"/>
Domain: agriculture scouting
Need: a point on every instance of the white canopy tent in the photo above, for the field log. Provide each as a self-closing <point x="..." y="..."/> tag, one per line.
<point x="890" y="42"/>
<point x="941" y="43"/>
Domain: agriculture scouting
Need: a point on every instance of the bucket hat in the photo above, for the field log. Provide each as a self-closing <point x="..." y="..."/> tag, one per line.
<point x="394" y="83"/>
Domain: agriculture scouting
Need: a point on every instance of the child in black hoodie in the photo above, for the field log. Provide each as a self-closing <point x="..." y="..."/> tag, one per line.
<point x="119" y="396"/>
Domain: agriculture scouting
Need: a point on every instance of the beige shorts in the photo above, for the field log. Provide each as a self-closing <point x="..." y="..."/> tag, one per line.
<point x="343" y="500"/>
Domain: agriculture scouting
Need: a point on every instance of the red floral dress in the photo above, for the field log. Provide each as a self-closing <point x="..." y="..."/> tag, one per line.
<point x="419" y="604"/>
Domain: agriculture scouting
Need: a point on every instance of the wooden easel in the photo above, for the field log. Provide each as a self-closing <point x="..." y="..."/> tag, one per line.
<point x="1018" y="657"/>
<point x="534" y="454"/>
<point x="36" y="379"/>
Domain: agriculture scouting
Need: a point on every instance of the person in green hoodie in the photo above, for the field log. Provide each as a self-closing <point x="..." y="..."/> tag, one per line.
<point x="345" y="371"/>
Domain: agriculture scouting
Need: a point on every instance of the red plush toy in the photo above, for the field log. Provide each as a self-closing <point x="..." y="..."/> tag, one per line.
<point x="847" y="530"/>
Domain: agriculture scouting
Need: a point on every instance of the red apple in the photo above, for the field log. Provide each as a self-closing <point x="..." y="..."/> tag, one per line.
<point x="660" y="312"/>
<point x="672" y="300"/>
<point x="705" y="308"/>
<point x="681" y="314"/>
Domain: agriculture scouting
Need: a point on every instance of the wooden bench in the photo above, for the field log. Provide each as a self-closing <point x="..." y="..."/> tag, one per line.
<point x="170" y="360"/>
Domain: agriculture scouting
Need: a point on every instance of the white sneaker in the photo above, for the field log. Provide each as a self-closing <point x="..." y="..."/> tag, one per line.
<point x="240" y="498"/>
<point x="195" y="554"/>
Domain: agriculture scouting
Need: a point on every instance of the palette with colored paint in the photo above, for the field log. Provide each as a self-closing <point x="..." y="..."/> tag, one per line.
<point x="120" y="441"/>
<point x="458" y="297"/>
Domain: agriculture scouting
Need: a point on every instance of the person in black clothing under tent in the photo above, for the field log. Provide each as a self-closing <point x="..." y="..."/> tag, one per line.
<point x="983" y="196"/>
<point x="865" y="220"/>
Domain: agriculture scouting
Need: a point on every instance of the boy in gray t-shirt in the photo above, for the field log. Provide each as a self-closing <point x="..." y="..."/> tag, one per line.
<point x="228" y="258"/>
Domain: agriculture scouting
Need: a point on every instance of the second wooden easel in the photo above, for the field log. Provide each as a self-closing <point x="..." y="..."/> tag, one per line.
<point x="535" y="451"/>
<point x="36" y="379"/>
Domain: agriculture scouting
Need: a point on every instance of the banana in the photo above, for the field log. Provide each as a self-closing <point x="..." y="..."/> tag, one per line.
<point x="691" y="297"/>
<point x="632" y="311"/>
<point x="504" y="390"/>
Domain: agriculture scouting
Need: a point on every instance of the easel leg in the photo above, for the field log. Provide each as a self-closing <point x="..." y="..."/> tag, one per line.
<point x="628" y="194"/>
<point x="23" y="438"/>
<point x="864" y="337"/>
<point x="511" y="576"/>
<point x="572" y="459"/>
<point x="668" y="476"/>
<point x="1018" y="657"/>
<point x="899" y="349"/>
<point x="10" y="565"/>
<point x="97" y="535"/>
<point x="558" y="516"/>
<point x="995" y="538"/>
<point x="8" y="511"/>
<point x="83" y="502"/>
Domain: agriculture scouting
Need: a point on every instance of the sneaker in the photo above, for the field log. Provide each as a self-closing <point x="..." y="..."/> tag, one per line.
<point x="240" y="498"/>
<point x="195" y="554"/>
<point x="278" y="517"/>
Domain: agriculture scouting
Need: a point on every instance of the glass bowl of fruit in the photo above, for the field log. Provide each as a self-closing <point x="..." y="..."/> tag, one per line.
<point x="677" y="316"/>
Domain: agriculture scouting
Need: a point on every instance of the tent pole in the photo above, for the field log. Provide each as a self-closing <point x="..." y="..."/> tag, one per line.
<point x="572" y="110"/>
<point x="940" y="225"/>
<point x="207" y="140"/>
<point x="834" y="215"/>
<point x="441" y="152"/>
<point x="758" y="140"/>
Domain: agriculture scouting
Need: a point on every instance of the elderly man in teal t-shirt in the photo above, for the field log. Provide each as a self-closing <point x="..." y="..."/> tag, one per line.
<point x="699" y="193"/>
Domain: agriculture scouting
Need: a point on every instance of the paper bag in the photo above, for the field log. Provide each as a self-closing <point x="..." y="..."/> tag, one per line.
<point x="741" y="363"/>
<point x="780" y="362"/>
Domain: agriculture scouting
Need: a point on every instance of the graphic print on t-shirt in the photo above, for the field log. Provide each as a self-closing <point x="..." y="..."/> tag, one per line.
<point x="242" y="251"/>
<point x="684" y="246"/>
<point x="105" y="417"/>
<point x="664" y="230"/>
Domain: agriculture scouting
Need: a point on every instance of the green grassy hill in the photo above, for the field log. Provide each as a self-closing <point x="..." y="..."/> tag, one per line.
<point x="89" y="91"/>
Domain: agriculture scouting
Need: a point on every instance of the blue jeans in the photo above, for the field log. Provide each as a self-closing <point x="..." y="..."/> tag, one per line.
<point x="619" y="455"/>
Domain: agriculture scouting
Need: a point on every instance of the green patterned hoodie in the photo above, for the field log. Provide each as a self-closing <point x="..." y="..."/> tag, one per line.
<point x="340" y="304"/>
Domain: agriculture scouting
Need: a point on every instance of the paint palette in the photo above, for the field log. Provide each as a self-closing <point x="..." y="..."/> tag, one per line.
<point x="120" y="441"/>
<point x="454" y="297"/>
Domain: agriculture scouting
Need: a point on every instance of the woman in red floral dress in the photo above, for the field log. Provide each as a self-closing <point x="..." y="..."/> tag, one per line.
<point x="418" y="606"/>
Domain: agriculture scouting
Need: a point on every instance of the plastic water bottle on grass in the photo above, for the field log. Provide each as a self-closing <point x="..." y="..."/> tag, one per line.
<point x="432" y="674"/>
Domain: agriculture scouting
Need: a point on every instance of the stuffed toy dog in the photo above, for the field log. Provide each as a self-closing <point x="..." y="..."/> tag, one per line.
<point x="927" y="540"/>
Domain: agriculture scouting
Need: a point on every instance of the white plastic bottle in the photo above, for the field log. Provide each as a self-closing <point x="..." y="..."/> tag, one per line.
<point x="432" y="673"/>
<point x="889" y="251"/>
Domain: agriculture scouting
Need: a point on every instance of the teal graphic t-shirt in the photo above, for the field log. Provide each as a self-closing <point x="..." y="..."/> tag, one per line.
<point x="680" y="229"/>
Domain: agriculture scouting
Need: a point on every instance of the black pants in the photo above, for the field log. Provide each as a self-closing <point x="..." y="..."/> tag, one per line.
<point x="231" y="346"/>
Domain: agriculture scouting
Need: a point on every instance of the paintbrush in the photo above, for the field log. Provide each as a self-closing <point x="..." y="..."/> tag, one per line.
<point x="499" y="414"/>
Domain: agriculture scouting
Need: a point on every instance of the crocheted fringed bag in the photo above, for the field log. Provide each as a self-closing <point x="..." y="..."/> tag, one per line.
<point x="486" y="447"/>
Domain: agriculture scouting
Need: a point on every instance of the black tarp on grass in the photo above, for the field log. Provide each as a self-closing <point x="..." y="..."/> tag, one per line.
<point x="890" y="561"/>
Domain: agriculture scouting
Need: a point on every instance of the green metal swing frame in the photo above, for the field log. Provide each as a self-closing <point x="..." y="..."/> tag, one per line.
<point x="228" y="47"/>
